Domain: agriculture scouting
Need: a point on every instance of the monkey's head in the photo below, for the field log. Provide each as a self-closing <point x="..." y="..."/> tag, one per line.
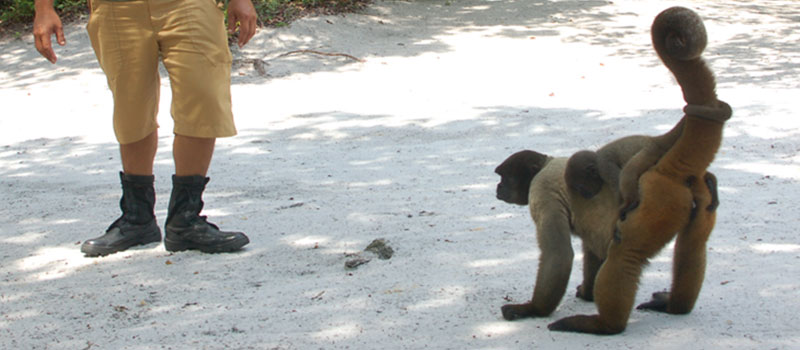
<point x="516" y="174"/>
<point x="583" y="175"/>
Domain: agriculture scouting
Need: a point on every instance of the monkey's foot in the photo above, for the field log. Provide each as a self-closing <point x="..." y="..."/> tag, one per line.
<point x="658" y="303"/>
<point x="584" y="294"/>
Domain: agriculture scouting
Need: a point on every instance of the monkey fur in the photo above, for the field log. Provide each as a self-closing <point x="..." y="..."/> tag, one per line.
<point x="672" y="195"/>
<point x="560" y="208"/>
<point x="537" y="180"/>
<point x="587" y="170"/>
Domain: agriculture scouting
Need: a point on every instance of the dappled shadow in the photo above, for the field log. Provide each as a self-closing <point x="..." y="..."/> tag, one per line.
<point x="24" y="67"/>
<point x="763" y="54"/>
<point x="309" y="195"/>
<point x="745" y="46"/>
<point x="314" y="188"/>
<point x="427" y="27"/>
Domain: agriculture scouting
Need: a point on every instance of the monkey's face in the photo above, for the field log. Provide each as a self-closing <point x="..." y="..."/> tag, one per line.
<point x="516" y="173"/>
<point x="510" y="190"/>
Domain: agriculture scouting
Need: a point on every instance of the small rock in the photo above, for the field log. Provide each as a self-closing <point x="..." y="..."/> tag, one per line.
<point x="353" y="263"/>
<point x="380" y="248"/>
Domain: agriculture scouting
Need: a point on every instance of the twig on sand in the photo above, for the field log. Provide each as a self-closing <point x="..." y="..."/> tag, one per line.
<point x="315" y="52"/>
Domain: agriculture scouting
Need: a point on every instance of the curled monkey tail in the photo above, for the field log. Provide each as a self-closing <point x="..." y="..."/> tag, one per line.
<point x="679" y="37"/>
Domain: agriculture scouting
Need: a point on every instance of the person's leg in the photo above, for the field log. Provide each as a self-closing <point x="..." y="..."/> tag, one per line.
<point x="192" y="155"/>
<point x="185" y="228"/>
<point x="195" y="52"/>
<point x="138" y="157"/>
<point x="132" y="73"/>
<point x="137" y="225"/>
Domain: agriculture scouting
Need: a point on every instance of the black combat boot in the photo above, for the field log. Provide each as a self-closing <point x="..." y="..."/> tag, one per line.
<point x="186" y="229"/>
<point x="136" y="226"/>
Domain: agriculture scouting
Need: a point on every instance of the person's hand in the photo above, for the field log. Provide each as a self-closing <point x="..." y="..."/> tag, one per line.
<point x="243" y="13"/>
<point x="45" y="24"/>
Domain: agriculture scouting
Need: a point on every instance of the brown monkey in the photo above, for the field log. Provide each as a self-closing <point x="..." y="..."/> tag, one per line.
<point x="534" y="179"/>
<point x="672" y="194"/>
<point x="564" y="201"/>
<point x="587" y="171"/>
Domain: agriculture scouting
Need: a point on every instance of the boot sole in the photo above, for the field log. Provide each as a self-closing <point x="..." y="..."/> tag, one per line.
<point x="227" y="247"/>
<point x="92" y="251"/>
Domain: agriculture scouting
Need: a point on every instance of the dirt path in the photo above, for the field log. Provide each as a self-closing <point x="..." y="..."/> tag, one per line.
<point x="396" y="136"/>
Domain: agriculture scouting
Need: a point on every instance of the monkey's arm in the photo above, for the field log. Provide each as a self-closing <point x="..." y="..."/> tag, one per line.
<point x="555" y="261"/>
<point x="639" y="163"/>
<point x="555" y="265"/>
<point x="629" y="177"/>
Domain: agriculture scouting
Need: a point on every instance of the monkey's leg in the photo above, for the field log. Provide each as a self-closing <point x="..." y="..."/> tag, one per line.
<point x="591" y="264"/>
<point x="689" y="262"/>
<point x="614" y="292"/>
<point x="664" y="210"/>
<point x="555" y="265"/>
<point x="616" y="283"/>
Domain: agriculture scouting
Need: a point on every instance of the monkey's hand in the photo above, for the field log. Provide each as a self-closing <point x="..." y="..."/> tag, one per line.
<point x="585" y="324"/>
<point x="711" y="182"/>
<point x="627" y="208"/>
<point x="513" y="312"/>
<point x="659" y="303"/>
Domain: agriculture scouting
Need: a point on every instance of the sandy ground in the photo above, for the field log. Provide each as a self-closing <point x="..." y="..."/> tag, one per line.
<point x="335" y="152"/>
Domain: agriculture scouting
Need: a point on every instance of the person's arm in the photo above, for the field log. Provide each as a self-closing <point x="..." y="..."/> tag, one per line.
<point x="45" y="24"/>
<point x="243" y="13"/>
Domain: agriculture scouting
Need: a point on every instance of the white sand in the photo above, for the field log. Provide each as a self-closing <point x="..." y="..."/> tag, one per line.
<point x="333" y="153"/>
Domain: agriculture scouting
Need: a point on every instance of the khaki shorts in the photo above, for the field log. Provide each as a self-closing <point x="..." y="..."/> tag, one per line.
<point x="190" y="36"/>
